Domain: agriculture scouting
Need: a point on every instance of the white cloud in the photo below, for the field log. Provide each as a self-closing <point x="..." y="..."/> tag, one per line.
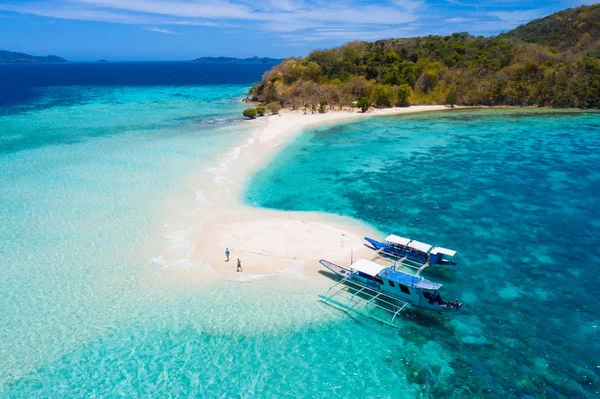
<point x="211" y="24"/>
<point x="207" y="9"/>
<point x="160" y="30"/>
<point x="274" y="11"/>
<point x="491" y="27"/>
<point x="73" y="11"/>
<point x="343" y="35"/>
<point x="492" y="3"/>
<point x="282" y="5"/>
<point x="458" y="20"/>
<point x="289" y="26"/>
<point x="300" y="20"/>
<point x="520" y="16"/>
<point x="583" y="2"/>
<point x="280" y="16"/>
<point x="409" y="5"/>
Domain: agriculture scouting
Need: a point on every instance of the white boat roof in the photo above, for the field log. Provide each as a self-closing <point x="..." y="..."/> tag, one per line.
<point x="367" y="267"/>
<point x="444" y="251"/>
<point x="397" y="240"/>
<point x="419" y="246"/>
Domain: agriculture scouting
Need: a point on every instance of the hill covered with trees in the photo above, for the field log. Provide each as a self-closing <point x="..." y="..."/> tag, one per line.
<point x="576" y="30"/>
<point x="553" y="61"/>
<point x="22" y="58"/>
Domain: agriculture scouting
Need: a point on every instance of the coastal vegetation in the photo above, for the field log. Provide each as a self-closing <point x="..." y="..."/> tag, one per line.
<point x="363" y="103"/>
<point x="274" y="107"/>
<point x="260" y="110"/>
<point x="250" y="113"/>
<point x="553" y="61"/>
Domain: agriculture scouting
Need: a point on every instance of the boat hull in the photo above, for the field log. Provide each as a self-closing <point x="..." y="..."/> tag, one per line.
<point x="338" y="270"/>
<point x="375" y="245"/>
<point x="414" y="256"/>
<point x="348" y="274"/>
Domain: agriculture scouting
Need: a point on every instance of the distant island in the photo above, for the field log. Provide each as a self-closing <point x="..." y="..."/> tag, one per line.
<point x="102" y="61"/>
<point x="11" y="57"/>
<point x="253" y="60"/>
<point x="549" y="62"/>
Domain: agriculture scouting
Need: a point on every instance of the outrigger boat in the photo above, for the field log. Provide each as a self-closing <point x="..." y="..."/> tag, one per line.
<point x="416" y="251"/>
<point x="384" y="288"/>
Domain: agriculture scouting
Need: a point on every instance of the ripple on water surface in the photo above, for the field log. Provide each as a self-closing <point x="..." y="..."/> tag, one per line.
<point x="84" y="316"/>
<point x="82" y="185"/>
<point x="248" y="340"/>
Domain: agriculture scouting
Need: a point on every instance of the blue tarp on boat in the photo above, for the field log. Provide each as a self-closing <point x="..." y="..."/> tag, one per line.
<point x="409" y="280"/>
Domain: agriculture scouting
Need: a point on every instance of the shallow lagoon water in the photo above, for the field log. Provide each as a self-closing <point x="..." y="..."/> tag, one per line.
<point x="89" y="175"/>
<point x="83" y="187"/>
<point x="516" y="192"/>
<point x="85" y="312"/>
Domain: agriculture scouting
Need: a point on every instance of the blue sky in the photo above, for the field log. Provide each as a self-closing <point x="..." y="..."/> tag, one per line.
<point x="138" y="30"/>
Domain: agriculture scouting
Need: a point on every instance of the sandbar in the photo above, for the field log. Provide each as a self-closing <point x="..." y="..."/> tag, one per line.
<point x="267" y="242"/>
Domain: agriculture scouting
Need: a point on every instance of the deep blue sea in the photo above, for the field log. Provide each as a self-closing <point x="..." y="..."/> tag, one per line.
<point x="92" y="156"/>
<point x="22" y="84"/>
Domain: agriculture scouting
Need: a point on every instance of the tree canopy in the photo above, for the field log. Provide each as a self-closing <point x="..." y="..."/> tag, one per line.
<point x="250" y="113"/>
<point x="554" y="61"/>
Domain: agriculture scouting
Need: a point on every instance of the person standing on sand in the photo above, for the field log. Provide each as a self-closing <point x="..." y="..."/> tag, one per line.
<point x="227" y="254"/>
<point x="239" y="266"/>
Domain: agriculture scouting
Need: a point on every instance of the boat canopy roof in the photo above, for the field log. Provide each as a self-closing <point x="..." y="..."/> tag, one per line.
<point x="367" y="267"/>
<point x="410" y="280"/>
<point x="443" y="251"/>
<point x="419" y="246"/>
<point x="397" y="240"/>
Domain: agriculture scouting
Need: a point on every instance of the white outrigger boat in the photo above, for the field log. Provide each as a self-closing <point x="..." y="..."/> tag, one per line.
<point x="415" y="251"/>
<point x="384" y="290"/>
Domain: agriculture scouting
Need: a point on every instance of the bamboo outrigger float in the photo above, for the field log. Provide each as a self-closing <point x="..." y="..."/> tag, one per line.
<point x="348" y="295"/>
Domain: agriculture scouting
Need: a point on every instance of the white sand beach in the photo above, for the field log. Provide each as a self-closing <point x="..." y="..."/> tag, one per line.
<point x="267" y="242"/>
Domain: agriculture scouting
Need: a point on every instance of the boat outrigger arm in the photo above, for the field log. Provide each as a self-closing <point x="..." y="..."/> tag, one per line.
<point x="382" y="292"/>
<point x="348" y="295"/>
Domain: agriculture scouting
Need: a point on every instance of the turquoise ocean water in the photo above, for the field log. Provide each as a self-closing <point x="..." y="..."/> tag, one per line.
<point x="518" y="194"/>
<point x="89" y="172"/>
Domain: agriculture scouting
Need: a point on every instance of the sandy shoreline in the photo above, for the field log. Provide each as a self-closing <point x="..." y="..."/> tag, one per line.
<point x="268" y="242"/>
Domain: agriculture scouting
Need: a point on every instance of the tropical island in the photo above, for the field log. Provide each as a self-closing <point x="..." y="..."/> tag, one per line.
<point x="11" y="57"/>
<point x="549" y="62"/>
<point x="132" y="192"/>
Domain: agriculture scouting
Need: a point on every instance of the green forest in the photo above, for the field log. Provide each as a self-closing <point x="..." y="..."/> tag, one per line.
<point x="550" y="62"/>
